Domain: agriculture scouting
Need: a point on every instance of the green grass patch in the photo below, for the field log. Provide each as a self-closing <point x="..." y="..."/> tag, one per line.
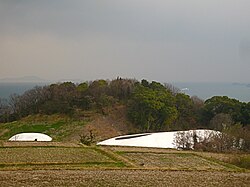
<point x="56" y="126"/>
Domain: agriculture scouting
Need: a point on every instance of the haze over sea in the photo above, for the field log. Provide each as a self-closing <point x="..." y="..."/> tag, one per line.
<point x="207" y="90"/>
<point x="202" y="90"/>
<point x="8" y="88"/>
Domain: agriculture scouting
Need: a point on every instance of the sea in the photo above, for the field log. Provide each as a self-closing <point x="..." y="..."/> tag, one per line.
<point x="239" y="91"/>
<point x="9" y="88"/>
<point x="204" y="91"/>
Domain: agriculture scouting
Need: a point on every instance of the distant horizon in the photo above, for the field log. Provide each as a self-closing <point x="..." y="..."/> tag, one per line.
<point x="203" y="90"/>
<point x="37" y="79"/>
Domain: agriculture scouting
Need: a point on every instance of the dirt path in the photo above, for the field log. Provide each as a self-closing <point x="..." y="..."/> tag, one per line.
<point x="122" y="178"/>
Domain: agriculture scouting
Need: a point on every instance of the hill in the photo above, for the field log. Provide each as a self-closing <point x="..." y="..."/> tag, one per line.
<point x="69" y="129"/>
<point x="103" y="108"/>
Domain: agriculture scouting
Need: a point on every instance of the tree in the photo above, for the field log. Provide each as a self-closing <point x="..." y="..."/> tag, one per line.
<point x="221" y="121"/>
<point x="121" y="88"/>
<point x="97" y="88"/>
<point x="4" y="110"/>
<point x="198" y="103"/>
<point x="88" y="138"/>
<point x="174" y="90"/>
<point x="222" y="104"/>
<point x="184" y="140"/>
<point x="61" y="98"/>
<point x="245" y="111"/>
<point x="82" y="87"/>
<point x="186" y="117"/>
<point x="151" y="109"/>
<point x="15" y="106"/>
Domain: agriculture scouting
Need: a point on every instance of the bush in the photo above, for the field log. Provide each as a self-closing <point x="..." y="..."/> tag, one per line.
<point x="88" y="139"/>
<point x="242" y="161"/>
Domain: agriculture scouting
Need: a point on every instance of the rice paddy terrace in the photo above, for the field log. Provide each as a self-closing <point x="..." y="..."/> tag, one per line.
<point x="62" y="164"/>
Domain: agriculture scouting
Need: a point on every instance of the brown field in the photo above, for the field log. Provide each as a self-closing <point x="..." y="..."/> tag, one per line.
<point x="172" y="161"/>
<point x="50" y="155"/>
<point x="102" y="177"/>
<point x="60" y="165"/>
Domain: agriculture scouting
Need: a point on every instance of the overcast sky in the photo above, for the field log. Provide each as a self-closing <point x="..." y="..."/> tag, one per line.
<point x="163" y="40"/>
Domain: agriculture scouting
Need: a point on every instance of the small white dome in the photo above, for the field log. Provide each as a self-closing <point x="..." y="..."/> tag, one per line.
<point x="31" y="137"/>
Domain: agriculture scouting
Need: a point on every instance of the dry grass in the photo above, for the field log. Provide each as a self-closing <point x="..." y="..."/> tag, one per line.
<point x="173" y="161"/>
<point x="38" y="144"/>
<point x="239" y="159"/>
<point x="91" y="166"/>
<point x="55" y="158"/>
<point x="110" y="125"/>
<point x="50" y="155"/>
<point x="119" y="177"/>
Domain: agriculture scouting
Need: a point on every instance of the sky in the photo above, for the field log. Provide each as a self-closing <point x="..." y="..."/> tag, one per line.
<point x="163" y="40"/>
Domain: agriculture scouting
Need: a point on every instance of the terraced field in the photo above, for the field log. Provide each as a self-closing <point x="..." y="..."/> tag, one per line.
<point x="76" y="165"/>
<point x="173" y="161"/>
<point x="54" y="158"/>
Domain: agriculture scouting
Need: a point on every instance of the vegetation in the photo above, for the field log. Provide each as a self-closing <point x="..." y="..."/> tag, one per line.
<point x="55" y="158"/>
<point x="151" y="107"/>
<point x="59" y="127"/>
<point x="88" y="139"/>
<point x="94" y="166"/>
<point x="77" y="157"/>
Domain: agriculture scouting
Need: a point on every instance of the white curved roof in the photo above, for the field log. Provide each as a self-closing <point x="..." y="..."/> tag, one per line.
<point x="157" y="140"/>
<point x="31" y="137"/>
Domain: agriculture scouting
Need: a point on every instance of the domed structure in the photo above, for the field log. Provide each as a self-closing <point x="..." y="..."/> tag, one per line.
<point x="157" y="140"/>
<point x="31" y="137"/>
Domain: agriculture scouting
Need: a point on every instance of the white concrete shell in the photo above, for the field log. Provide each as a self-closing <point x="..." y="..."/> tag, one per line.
<point x="31" y="137"/>
<point x="157" y="140"/>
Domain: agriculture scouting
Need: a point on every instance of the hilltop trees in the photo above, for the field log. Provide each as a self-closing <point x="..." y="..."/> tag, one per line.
<point x="219" y="106"/>
<point x="186" y="115"/>
<point x="66" y="97"/>
<point x="4" y="110"/>
<point x="151" y="106"/>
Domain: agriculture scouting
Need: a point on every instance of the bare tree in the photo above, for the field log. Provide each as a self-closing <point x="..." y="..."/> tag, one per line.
<point x="221" y="121"/>
<point x="174" y="90"/>
<point x="183" y="140"/>
<point x="198" y="102"/>
<point x="4" y="110"/>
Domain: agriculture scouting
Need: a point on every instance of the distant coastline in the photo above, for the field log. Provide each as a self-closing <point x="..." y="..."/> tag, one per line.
<point x="239" y="91"/>
<point x="9" y="88"/>
<point x="25" y="79"/>
<point x="242" y="84"/>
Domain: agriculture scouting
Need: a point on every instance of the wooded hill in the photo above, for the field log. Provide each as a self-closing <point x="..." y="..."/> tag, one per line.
<point x="150" y="106"/>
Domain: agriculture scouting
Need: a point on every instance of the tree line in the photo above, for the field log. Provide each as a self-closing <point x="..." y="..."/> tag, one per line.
<point x="151" y="106"/>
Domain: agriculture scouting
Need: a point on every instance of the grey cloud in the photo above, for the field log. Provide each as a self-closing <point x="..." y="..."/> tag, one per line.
<point x="162" y="39"/>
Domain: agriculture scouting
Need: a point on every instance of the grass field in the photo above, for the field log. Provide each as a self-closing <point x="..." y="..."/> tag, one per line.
<point x="55" y="158"/>
<point x="59" y="127"/>
<point x="75" y="165"/>
<point x="173" y="161"/>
